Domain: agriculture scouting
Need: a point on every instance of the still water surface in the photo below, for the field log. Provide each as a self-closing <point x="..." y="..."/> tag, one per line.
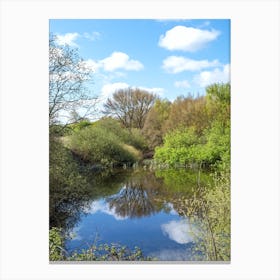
<point x="133" y="208"/>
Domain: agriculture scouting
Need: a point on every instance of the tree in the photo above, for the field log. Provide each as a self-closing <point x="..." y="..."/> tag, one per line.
<point x="188" y="112"/>
<point x="68" y="76"/>
<point x="218" y="102"/>
<point x="154" y="123"/>
<point x="130" y="106"/>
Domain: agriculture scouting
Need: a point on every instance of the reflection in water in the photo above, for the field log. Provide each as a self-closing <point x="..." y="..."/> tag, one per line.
<point x="132" y="201"/>
<point x="68" y="200"/>
<point x="103" y="207"/>
<point x="65" y="208"/>
<point x="115" y="198"/>
<point x="178" y="231"/>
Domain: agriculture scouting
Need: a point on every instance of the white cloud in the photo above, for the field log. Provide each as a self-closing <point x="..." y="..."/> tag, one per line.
<point x="117" y="60"/>
<point x="176" y="64"/>
<point x="120" y="60"/>
<point x="108" y="89"/>
<point x="177" y="231"/>
<point x="217" y="75"/>
<point x="182" y="84"/>
<point x="67" y="39"/>
<point x="155" y="90"/>
<point x="93" y="36"/>
<point x="186" y="38"/>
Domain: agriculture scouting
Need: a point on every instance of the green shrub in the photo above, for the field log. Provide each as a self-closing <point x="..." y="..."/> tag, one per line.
<point x="98" y="145"/>
<point x="131" y="137"/>
<point x="179" y="147"/>
<point x="55" y="244"/>
<point x="80" y="125"/>
<point x="185" y="147"/>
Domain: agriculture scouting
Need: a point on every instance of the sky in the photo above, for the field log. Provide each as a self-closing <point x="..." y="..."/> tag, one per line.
<point x="167" y="57"/>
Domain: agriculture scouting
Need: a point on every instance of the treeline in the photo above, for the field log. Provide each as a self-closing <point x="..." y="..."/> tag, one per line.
<point x="138" y="125"/>
<point x="195" y="130"/>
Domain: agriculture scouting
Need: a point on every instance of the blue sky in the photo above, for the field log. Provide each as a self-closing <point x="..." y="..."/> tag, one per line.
<point x="166" y="57"/>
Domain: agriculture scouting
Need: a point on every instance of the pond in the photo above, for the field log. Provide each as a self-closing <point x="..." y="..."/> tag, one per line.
<point x="135" y="208"/>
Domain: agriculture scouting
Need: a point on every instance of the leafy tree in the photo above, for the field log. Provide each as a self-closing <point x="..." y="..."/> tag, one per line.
<point x="209" y="145"/>
<point x="153" y="129"/>
<point x="218" y="102"/>
<point x="188" y="112"/>
<point x="178" y="147"/>
<point x="217" y="147"/>
<point x="68" y="76"/>
<point x="130" y="106"/>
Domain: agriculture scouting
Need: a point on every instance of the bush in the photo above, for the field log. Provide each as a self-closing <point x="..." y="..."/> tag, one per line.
<point x="185" y="147"/>
<point x="98" y="145"/>
<point x="179" y="147"/>
<point x="131" y="137"/>
<point x="55" y="244"/>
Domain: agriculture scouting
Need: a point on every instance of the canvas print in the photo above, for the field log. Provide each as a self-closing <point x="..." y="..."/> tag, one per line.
<point x="139" y="140"/>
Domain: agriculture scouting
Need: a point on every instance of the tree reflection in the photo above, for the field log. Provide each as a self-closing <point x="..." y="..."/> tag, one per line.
<point x="68" y="188"/>
<point x="68" y="201"/>
<point x="73" y="187"/>
<point x="137" y="198"/>
<point x="139" y="193"/>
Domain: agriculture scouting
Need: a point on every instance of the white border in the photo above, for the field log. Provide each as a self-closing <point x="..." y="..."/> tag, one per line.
<point x="255" y="137"/>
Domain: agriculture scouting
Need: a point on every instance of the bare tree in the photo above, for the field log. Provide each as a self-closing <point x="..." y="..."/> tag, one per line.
<point x="68" y="76"/>
<point x="130" y="106"/>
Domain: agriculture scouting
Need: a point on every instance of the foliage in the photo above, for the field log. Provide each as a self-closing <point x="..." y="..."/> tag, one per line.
<point x="103" y="252"/>
<point x="68" y="187"/>
<point x="209" y="213"/>
<point x="131" y="137"/>
<point x="58" y="130"/>
<point x="188" y="112"/>
<point x="77" y="126"/>
<point x="104" y="142"/>
<point x="218" y="205"/>
<point x="211" y="146"/>
<point x="130" y="106"/>
<point x="153" y="129"/>
<point x="112" y="252"/>
<point x="218" y="102"/>
<point x="217" y="148"/>
<point x="56" y="244"/>
<point x="179" y="147"/>
<point x="68" y="75"/>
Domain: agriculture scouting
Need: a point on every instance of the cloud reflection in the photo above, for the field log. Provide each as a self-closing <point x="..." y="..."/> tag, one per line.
<point x="74" y="235"/>
<point x="170" y="206"/>
<point x="178" y="231"/>
<point x="103" y="207"/>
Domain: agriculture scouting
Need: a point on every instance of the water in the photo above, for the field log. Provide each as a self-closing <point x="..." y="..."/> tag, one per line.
<point x="133" y="208"/>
